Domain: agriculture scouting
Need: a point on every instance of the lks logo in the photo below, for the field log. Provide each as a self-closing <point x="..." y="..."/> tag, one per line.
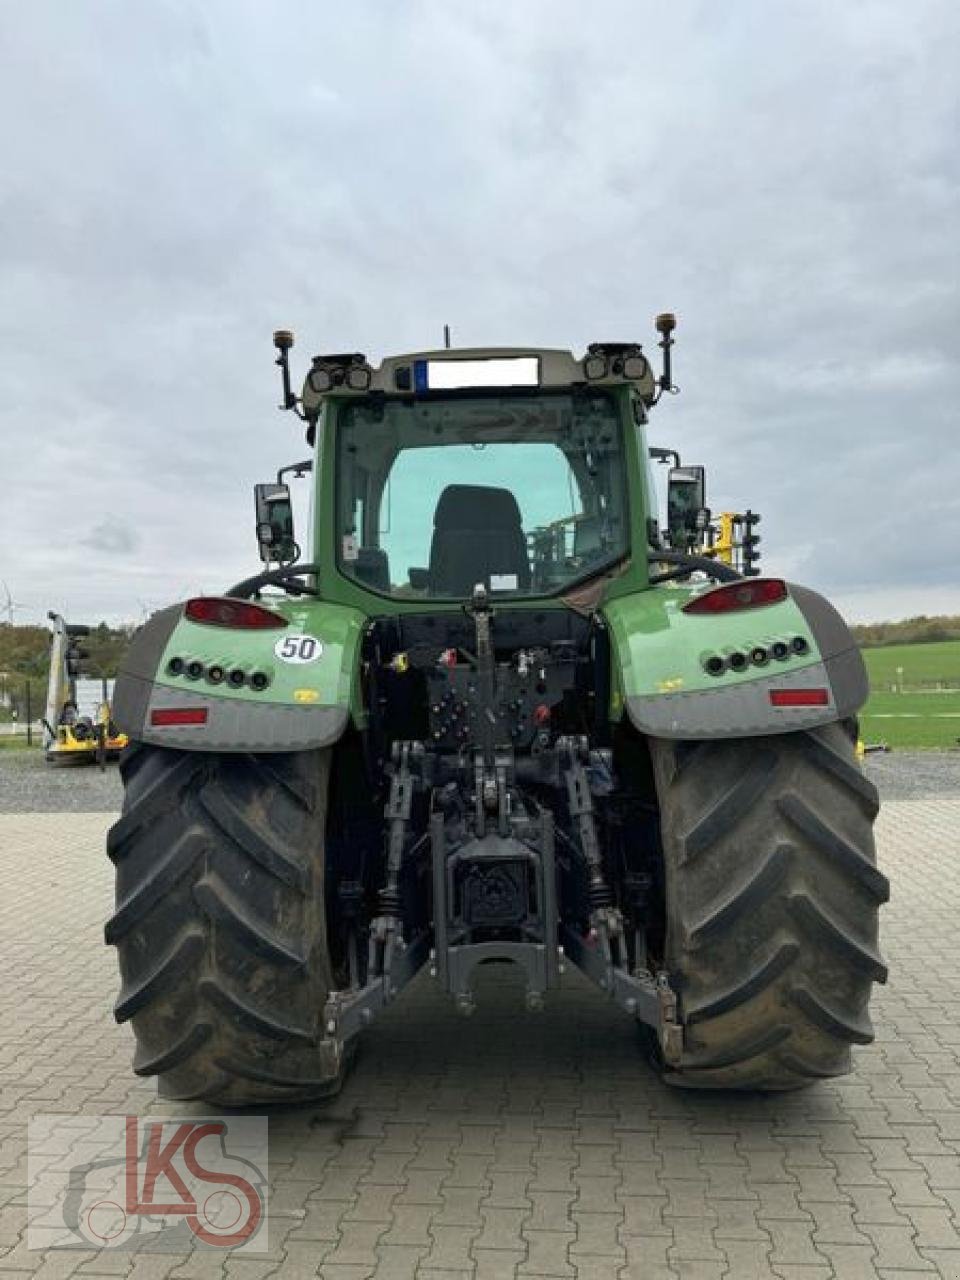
<point x="150" y="1175"/>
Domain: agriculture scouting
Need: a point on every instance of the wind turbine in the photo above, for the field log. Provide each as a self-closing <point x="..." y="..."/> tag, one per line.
<point x="9" y="605"/>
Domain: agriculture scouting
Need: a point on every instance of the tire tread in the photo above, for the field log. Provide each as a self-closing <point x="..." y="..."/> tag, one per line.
<point x="772" y="893"/>
<point x="220" y="924"/>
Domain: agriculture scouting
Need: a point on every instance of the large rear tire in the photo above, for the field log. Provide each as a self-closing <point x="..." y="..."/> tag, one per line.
<point x="772" y="897"/>
<point x="220" y="924"/>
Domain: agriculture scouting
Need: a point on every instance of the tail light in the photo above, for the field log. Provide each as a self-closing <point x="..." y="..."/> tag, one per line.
<point x="739" y="595"/>
<point x="220" y="611"/>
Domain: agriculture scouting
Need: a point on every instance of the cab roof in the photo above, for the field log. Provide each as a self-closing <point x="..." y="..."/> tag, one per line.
<point x="423" y="373"/>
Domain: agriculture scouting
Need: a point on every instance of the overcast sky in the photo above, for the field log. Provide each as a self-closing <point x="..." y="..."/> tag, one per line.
<point x="179" y="178"/>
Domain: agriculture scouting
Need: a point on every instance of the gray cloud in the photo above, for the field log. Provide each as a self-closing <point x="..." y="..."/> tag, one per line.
<point x="111" y="536"/>
<point x="182" y="177"/>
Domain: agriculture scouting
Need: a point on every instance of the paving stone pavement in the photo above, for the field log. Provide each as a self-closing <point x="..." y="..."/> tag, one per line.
<point x="510" y="1145"/>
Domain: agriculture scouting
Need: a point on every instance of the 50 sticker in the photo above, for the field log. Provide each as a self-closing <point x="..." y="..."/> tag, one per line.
<point x="298" y="649"/>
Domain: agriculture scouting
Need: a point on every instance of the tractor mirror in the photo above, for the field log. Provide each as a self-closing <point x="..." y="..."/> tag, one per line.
<point x="275" y="523"/>
<point x="686" y="498"/>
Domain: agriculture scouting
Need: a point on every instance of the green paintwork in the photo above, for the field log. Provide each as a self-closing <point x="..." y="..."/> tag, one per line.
<point x="659" y="650"/>
<point x="329" y="681"/>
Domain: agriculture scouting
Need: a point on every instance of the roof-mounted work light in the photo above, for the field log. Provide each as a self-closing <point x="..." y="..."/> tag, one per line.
<point x="350" y="370"/>
<point x="615" y="360"/>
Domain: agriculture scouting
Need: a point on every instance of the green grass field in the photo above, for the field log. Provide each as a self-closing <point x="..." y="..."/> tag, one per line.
<point x="920" y="716"/>
<point x="914" y="664"/>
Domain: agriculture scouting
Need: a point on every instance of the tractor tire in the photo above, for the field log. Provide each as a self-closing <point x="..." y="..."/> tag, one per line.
<point x="220" y="924"/>
<point x="772" y="897"/>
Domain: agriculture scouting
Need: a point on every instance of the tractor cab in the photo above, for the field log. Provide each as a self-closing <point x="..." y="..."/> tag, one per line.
<point x="524" y="471"/>
<point x="525" y="495"/>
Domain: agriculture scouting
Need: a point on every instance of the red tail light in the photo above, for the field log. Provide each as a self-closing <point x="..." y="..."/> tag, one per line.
<point x="220" y="611"/>
<point x="799" y="698"/>
<point x="747" y="594"/>
<point x="163" y="716"/>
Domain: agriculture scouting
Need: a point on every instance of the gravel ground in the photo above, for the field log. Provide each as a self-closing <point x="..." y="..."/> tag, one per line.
<point x="913" y="775"/>
<point x="29" y="785"/>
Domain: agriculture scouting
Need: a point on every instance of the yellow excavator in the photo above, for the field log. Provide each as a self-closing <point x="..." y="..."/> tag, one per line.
<point x="77" y="726"/>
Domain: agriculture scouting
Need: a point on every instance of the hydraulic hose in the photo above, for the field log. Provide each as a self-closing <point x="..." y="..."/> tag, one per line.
<point x="687" y="564"/>
<point x="277" y="578"/>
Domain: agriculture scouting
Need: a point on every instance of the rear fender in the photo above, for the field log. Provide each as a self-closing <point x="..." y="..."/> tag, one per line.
<point x="305" y="704"/>
<point x="663" y="686"/>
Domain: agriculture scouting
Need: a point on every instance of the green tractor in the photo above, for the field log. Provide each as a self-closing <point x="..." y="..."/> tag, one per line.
<point x="497" y="714"/>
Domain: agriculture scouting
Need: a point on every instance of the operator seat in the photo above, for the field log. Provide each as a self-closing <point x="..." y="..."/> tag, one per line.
<point x="476" y="533"/>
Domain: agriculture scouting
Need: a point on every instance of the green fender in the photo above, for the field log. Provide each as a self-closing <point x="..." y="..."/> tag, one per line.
<point x="305" y="703"/>
<point x="661" y="682"/>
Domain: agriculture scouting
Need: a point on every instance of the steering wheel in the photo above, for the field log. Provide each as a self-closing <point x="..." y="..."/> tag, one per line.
<point x="285" y="578"/>
<point x="688" y="564"/>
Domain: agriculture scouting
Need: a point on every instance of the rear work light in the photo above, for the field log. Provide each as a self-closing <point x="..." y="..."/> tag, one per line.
<point x="220" y="611"/>
<point x="167" y="716"/>
<point x="799" y="698"/>
<point x="739" y="595"/>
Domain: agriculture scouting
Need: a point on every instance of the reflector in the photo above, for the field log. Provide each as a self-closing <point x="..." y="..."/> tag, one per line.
<point x="739" y="595"/>
<point x="163" y="716"/>
<point x="799" y="698"/>
<point x="220" y="611"/>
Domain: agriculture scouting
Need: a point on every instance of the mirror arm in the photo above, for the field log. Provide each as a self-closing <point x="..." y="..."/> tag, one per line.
<point x="664" y="455"/>
<point x="297" y="469"/>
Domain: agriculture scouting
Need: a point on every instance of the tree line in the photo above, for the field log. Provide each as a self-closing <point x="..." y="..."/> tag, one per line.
<point x="919" y="630"/>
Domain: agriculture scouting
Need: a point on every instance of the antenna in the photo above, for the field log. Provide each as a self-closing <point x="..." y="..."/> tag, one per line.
<point x="283" y="341"/>
<point x="446" y="336"/>
<point x="665" y="325"/>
